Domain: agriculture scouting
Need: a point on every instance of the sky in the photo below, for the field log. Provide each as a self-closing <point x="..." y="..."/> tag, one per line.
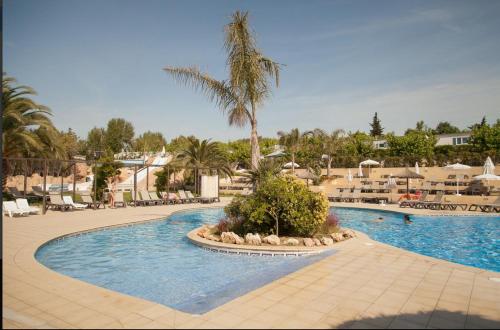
<point x="94" y="60"/>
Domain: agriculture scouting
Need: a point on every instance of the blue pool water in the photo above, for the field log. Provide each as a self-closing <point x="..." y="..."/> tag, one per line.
<point x="155" y="261"/>
<point x="472" y="241"/>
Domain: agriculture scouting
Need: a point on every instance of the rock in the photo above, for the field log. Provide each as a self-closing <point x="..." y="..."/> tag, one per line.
<point x="272" y="240"/>
<point x="337" y="237"/>
<point x="326" y="241"/>
<point x="348" y="233"/>
<point x="231" y="238"/>
<point x="253" y="239"/>
<point x="317" y="242"/>
<point x="309" y="242"/>
<point x="201" y="232"/>
<point x="214" y="238"/>
<point x="291" y="242"/>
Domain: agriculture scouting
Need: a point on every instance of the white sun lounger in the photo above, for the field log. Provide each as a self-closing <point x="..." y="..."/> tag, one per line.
<point x="68" y="200"/>
<point x="10" y="208"/>
<point x="22" y="204"/>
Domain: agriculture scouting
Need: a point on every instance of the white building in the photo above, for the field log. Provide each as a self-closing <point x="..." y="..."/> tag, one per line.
<point x="455" y="139"/>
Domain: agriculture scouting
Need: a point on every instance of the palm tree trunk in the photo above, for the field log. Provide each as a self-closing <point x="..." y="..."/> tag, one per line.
<point x="254" y="141"/>
<point x="293" y="163"/>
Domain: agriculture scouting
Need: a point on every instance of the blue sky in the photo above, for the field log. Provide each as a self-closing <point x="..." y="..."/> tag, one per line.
<point x="408" y="60"/>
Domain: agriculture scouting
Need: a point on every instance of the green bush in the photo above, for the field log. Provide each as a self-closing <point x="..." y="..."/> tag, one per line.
<point x="299" y="211"/>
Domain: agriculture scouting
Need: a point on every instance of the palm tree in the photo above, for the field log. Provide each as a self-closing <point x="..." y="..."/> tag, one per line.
<point x="203" y="157"/>
<point x="330" y="144"/>
<point x="26" y="127"/>
<point x="268" y="168"/>
<point x="292" y="141"/>
<point x="248" y="84"/>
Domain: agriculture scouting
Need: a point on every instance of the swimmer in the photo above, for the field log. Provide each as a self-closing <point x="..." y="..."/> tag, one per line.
<point x="406" y="219"/>
<point x="379" y="219"/>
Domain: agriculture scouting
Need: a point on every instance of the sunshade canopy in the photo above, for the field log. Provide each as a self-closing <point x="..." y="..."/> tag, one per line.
<point x="406" y="173"/>
<point x="369" y="162"/>
<point x="457" y="167"/>
<point x="289" y="165"/>
<point x="486" y="177"/>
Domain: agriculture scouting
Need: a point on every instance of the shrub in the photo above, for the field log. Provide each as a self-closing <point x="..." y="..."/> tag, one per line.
<point x="299" y="211"/>
<point x="331" y="224"/>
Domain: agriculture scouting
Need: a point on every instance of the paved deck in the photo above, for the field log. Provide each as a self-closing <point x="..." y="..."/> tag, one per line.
<point x="365" y="285"/>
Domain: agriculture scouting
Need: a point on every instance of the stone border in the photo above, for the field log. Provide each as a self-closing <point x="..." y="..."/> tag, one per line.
<point x="281" y="250"/>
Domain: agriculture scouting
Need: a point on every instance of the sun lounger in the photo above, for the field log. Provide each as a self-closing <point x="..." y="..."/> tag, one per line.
<point x="493" y="207"/>
<point x="68" y="200"/>
<point x="183" y="197"/>
<point x="433" y="205"/>
<point x="10" y="208"/>
<point x="87" y="200"/>
<point x="192" y="197"/>
<point x="56" y="202"/>
<point x="334" y="196"/>
<point x="22" y="204"/>
<point x="154" y="197"/>
<point x="17" y="194"/>
<point x="119" y="200"/>
<point x="347" y="196"/>
<point x="146" y="199"/>
<point x="412" y="202"/>
<point x="356" y="196"/>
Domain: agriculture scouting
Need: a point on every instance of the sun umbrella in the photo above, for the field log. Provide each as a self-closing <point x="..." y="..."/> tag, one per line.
<point x="407" y="174"/>
<point x="360" y="172"/>
<point x="488" y="167"/>
<point x="368" y="162"/>
<point x="417" y="169"/>
<point x="306" y="175"/>
<point x="457" y="167"/>
<point x="289" y="165"/>
<point x="486" y="177"/>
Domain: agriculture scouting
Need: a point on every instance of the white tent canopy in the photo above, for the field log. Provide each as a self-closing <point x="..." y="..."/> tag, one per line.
<point x="289" y="165"/>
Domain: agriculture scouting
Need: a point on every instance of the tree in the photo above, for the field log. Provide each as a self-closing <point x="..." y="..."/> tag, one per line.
<point x="413" y="146"/>
<point x="486" y="137"/>
<point x="119" y="134"/>
<point x="25" y="123"/>
<point x="203" y="157"/>
<point x="291" y="141"/>
<point x="179" y="143"/>
<point x="479" y="125"/>
<point x="330" y="145"/>
<point x="360" y="144"/>
<point x="377" y="129"/>
<point x="95" y="141"/>
<point x="268" y="168"/>
<point x="248" y="84"/>
<point x="150" y="141"/>
<point x="105" y="170"/>
<point x="70" y="142"/>
<point x="445" y="127"/>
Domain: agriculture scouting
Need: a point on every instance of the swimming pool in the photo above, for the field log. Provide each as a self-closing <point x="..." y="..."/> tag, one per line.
<point x="468" y="240"/>
<point x="156" y="261"/>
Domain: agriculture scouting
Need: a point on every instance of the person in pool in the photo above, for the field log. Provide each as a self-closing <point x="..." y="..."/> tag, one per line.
<point x="406" y="219"/>
<point x="379" y="219"/>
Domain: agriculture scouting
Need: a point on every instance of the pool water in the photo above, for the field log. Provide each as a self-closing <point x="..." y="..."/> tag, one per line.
<point x="472" y="241"/>
<point x="156" y="261"/>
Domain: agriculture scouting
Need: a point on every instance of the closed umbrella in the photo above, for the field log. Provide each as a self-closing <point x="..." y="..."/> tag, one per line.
<point x="457" y="167"/>
<point x="488" y="167"/>
<point x="417" y="169"/>
<point x="360" y="172"/>
<point x="349" y="176"/>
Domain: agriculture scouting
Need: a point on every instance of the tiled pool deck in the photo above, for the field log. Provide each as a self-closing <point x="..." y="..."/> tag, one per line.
<point x="366" y="284"/>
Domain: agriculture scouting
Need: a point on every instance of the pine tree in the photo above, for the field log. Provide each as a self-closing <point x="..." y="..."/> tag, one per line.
<point x="377" y="129"/>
